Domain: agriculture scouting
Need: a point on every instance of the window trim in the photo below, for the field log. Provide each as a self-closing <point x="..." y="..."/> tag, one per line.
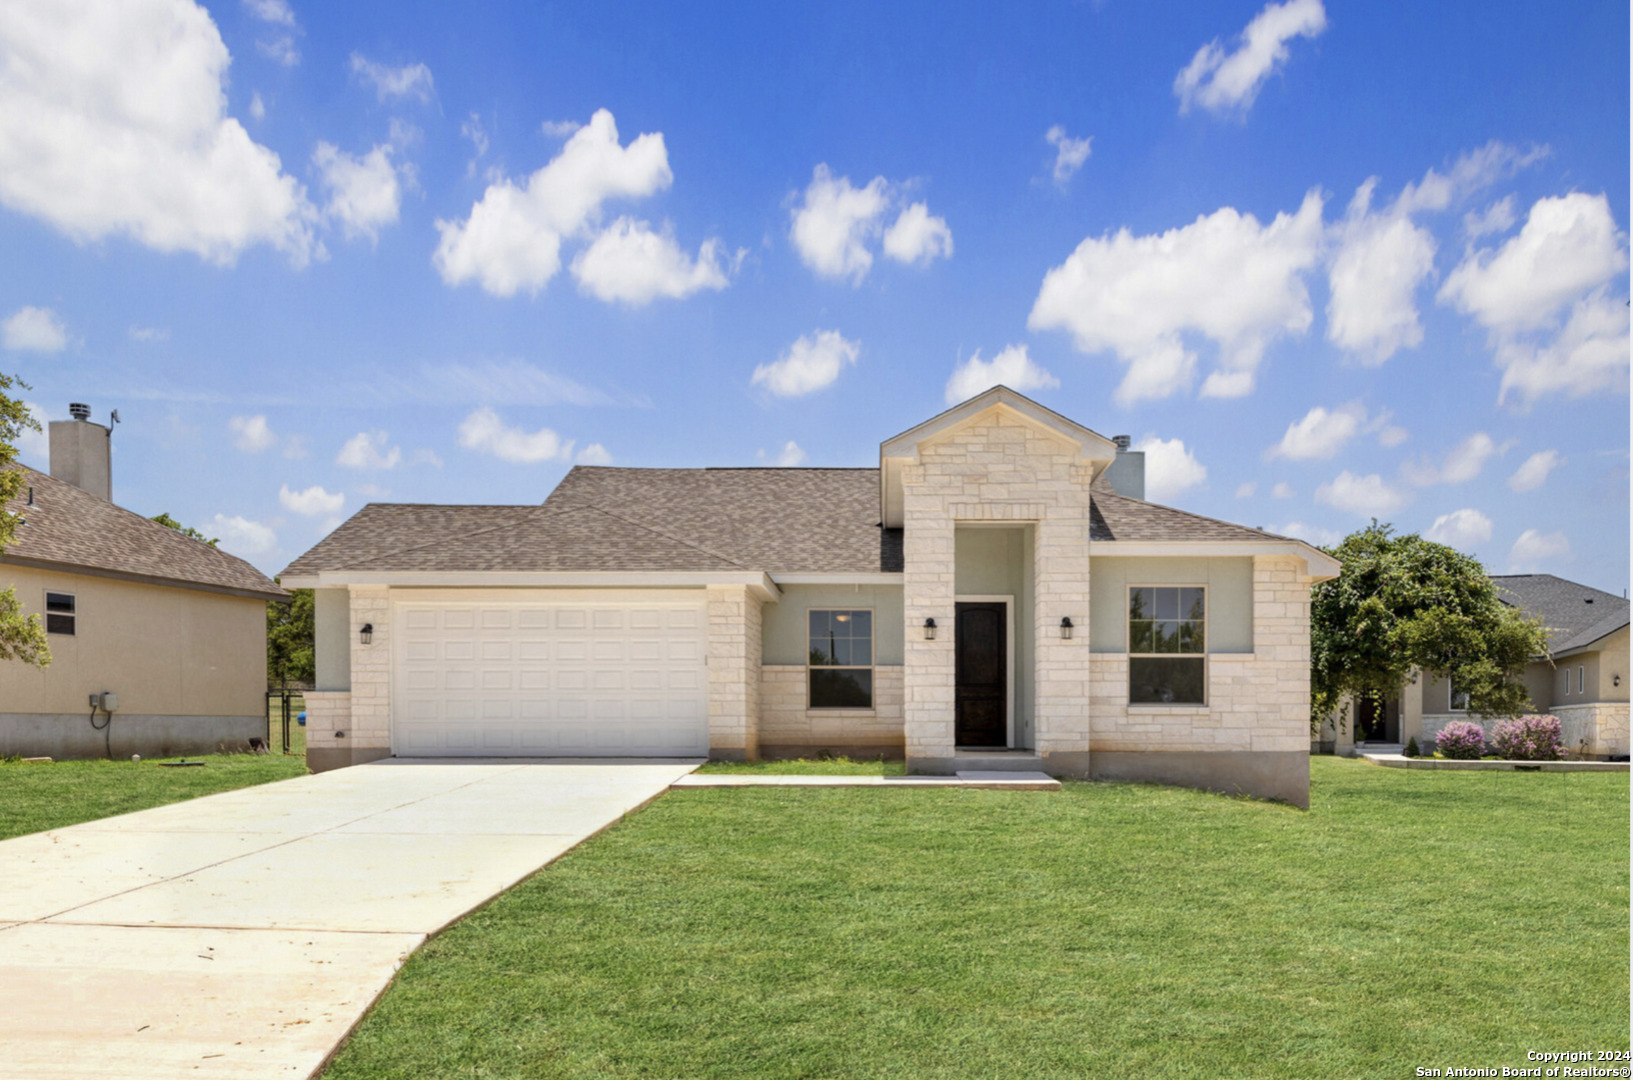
<point x="1451" y="699"/>
<point x="73" y="615"/>
<point x="1128" y="644"/>
<point x="872" y="669"/>
<point x="1581" y="678"/>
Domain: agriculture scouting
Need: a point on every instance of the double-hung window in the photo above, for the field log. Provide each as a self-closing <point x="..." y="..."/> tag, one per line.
<point x="1167" y="645"/>
<point x="1457" y="700"/>
<point x="59" y="613"/>
<point x="841" y="658"/>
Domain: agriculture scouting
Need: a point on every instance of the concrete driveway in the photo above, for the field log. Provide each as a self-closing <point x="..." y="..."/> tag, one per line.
<point x="244" y="934"/>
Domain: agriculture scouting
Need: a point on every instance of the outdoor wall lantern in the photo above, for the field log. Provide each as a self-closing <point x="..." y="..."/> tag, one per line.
<point x="366" y="635"/>
<point x="929" y="629"/>
<point x="1066" y="628"/>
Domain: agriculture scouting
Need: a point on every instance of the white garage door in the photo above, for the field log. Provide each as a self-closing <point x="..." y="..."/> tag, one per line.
<point x="513" y="675"/>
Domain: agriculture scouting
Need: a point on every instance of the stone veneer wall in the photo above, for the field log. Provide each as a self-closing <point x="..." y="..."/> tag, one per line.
<point x="1595" y="729"/>
<point x="1257" y="701"/>
<point x="351" y="727"/>
<point x="734" y="672"/>
<point x="998" y="469"/>
<point x="786" y="723"/>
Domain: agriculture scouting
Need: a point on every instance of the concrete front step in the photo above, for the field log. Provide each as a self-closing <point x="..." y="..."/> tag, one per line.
<point x="996" y="761"/>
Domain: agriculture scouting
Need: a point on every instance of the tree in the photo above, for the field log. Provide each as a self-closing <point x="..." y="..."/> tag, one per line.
<point x="186" y="530"/>
<point x="22" y="637"/>
<point x="290" y="655"/>
<point x="1404" y="604"/>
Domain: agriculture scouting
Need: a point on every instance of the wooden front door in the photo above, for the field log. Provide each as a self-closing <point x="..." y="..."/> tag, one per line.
<point x="981" y="676"/>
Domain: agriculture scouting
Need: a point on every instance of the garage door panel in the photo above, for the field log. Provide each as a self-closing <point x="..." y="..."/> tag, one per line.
<point x="527" y="677"/>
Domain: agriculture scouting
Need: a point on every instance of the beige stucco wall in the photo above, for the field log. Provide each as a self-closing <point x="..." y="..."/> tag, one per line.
<point x="165" y="651"/>
<point x="786" y="723"/>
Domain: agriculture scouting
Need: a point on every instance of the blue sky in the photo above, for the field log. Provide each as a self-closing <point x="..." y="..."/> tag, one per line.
<point x="1325" y="262"/>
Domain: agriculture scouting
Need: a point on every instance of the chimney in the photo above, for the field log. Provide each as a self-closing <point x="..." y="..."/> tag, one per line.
<point x="1126" y="473"/>
<point x="79" y="452"/>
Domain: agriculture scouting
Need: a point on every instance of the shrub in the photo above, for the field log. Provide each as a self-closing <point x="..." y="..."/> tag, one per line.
<point x="1530" y="738"/>
<point x="1412" y="747"/>
<point x="1461" y="739"/>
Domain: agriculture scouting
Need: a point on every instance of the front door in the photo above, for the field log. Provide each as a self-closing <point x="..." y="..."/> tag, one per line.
<point x="981" y="676"/>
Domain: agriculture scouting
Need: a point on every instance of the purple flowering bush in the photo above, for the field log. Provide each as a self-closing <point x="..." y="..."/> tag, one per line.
<point x="1461" y="739"/>
<point x="1530" y="738"/>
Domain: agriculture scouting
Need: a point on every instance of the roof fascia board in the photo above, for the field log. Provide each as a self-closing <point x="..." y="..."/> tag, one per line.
<point x="759" y="582"/>
<point x="143" y="579"/>
<point x="1589" y="646"/>
<point x="1318" y="564"/>
<point x="880" y="578"/>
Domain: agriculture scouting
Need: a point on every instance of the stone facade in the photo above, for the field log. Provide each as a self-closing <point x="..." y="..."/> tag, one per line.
<point x="787" y="725"/>
<point x="996" y="468"/>
<point x="1596" y="730"/>
<point x="348" y="727"/>
<point x="734" y="672"/>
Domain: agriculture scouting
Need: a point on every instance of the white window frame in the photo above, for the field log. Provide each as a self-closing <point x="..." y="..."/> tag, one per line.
<point x="1130" y="655"/>
<point x="1581" y="678"/>
<point x="872" y="669"/>
<point x="74" y="614"/>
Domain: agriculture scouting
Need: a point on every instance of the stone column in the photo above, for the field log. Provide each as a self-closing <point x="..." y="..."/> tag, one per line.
<point x="927" y="593"/>
<point x="350" y="728"/>
<point x="1061" y="590"/>
<point x="734" y="673"/>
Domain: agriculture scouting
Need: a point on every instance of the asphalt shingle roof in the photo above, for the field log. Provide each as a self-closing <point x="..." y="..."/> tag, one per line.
<point x="1573" y="614"/>
<point x="76" y="530"/>
<point x="778" y="521"/>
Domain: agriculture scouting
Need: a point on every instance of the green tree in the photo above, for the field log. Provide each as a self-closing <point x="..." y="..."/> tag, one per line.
<point x="186" y="530"/>
<point x="22" y="637"/>
<point x="1404" y="604"/>
<point x="289" y="648"/>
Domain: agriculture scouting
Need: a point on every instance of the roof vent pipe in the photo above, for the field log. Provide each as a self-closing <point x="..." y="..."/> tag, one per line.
<point x="79" y="410"/>
<point x="1122" y="442"/>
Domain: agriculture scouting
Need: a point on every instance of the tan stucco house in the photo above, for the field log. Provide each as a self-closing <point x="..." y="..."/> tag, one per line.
<point x="170" y="629"/>
<point x="996" y="594"/>
<point x="1582" y="679"/>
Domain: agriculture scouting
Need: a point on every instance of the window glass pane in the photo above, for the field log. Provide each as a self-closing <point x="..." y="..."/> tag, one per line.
<point x="1459" y="700"/>
<point x="862" y="624"/>
<point x="1140" y="605"/>
<point x="843" y="652"/>
<point x="58" y="624"/>
<point x="1167" y="603"/>
<point x="56" y="601"/>
<point x="1190" y="637"/>
<point x="819" y="625"/>
<point x="1167" y="637"/>
<point x="1191" y="603"/>
<point x="862" y="653"/>
<point x="1165" y="681"/>
<point x="1142" y="637"/>
<point x="845" y="688"/>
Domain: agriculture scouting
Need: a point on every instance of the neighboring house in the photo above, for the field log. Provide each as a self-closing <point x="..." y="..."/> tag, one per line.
<point x="172" y="628"/>
<point x="997" y="594"/>
<point x="1582" y="679"/>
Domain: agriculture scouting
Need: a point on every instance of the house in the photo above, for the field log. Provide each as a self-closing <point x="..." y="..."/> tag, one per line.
<point x="996" y="594"/>
<point x="1582" y="679"/>
<point x="158" y="641"/>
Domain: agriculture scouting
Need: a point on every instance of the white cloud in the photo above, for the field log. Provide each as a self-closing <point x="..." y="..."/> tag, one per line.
<point x="1282" y="490"/>
<point x="513" y="236"/>
<point x="1589" y="355"/>
<point x="1460" y="529"/>
<point x="1011" y="368"/>
<point x="832" y="226"/>
<point x="367" y="450"/>
<point x="1170" y="468"/>
<point x="594" y="454"/>
<point x="242" y="536"/>
<point x="364" y="195"/>
<point x="1070" y="153"/>
<point x="1320" y="434"/>
<point x="1534" y="472"/>
<point x="919" y="237"/>
<point x="280" y="50"/>
<point x="630" y="263"/>
<point x="787" y="458"/>
<point x="276" y="12"/>
<point x="257" y="107"/>
<point x="1221" y="82"/>
<point x="473" y="130"/>
<point x="1392" y="435"/>
<point x="559" y="129"/>
<point x="1224" y="277"/>
<point x="33" y="329"/>
<point x="1245" y="489"/>
<point x="484" y="431"/>
<point x="35" y="446"/>
<point x="810" y="364"/>
<point x="1368" y="496"/>
<point x="1461" y="464"/>
<point x="1534" y="549"/>
<point x="1496" y="218"/>
<point x="251" y="433"/>
<point x="312" y="502"/>
<point x="1374" y="276"/>
<point x="1310" y="534"/>
<point x="114" y="124"/>
<point x="148" y="333"/>
<point x="393" y="83"/>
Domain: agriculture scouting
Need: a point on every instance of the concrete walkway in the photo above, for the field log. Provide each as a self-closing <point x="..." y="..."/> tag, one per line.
<point x="244" y="934"/>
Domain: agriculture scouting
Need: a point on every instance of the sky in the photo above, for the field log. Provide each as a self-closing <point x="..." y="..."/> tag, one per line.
<point x="1324" y="262"/>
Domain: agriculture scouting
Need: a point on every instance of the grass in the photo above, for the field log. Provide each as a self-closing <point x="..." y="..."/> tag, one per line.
<point x="1409" y="918"/>
<point x="827" y="766"/>
<point x="297" y="734"/>
<point x="34" y="798"/>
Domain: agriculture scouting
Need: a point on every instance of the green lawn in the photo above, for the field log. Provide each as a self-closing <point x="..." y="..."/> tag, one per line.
<point x="34" y="798"/>
<point x="838" y="766"/>
<point x="1409" y="918"/>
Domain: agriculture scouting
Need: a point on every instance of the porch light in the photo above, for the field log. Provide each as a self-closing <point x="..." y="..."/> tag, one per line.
<point x="366" y="635"/>
<point x="929" y="629"/>
<point x="1066" y="628"/>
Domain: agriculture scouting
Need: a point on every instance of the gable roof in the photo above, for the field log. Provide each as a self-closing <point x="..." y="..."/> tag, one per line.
<point x="70" y="529"/>
<point x="1119" y="517"/>
<point x="1574" y="615"/>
